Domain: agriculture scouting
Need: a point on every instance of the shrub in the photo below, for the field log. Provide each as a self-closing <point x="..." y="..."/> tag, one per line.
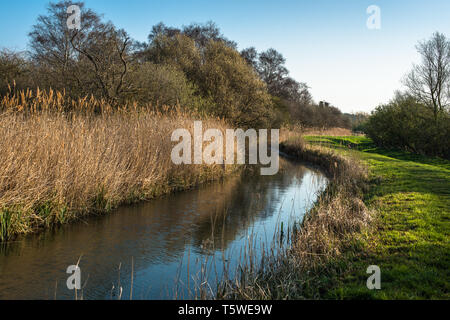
<point x="163" y="85"/>
<point x="237" y="92"/>
<point x="13" y="69"/>
<point x="407" y="124"/>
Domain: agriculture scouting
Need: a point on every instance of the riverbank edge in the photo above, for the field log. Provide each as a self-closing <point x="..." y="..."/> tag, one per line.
<point x="339" y="223"/>
<point x="103" y="206"/>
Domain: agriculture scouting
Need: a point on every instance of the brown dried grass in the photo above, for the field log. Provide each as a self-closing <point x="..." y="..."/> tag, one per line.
<point x="334" y="132"/>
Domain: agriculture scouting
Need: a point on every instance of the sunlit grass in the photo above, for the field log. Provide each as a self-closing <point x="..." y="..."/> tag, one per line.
<point x="411" y="242"/>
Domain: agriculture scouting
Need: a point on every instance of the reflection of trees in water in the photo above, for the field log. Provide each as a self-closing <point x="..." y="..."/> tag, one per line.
<point x="254" y="198"/>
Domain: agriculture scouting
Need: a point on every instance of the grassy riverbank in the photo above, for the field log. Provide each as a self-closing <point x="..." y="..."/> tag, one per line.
<point x="63" y="159"/>
<point x="338" y="222"/>
<point x="410" y="241"/>
<point x="395" y="216"/>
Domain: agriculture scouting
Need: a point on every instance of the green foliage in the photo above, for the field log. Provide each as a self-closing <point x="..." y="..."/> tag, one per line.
<point x="405" y="123"/>
<point x="178" y="51"/>
<point x="357" y="121"/>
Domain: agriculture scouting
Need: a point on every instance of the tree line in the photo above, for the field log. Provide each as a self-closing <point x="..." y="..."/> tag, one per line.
<point x="195" y="67"/>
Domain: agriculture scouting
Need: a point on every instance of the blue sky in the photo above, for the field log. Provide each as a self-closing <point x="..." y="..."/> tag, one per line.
<point x="326" y="42"/>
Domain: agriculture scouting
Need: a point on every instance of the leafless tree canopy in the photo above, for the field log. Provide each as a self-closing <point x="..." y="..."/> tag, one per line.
<point x="93" y="59"/>
<point x="429" y="82"/>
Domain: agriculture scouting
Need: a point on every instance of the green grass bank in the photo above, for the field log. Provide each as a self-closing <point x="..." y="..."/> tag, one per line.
<point x="410" y="239"/>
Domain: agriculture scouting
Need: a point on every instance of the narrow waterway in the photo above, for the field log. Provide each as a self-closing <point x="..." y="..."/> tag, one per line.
<point x="165" y="248"/>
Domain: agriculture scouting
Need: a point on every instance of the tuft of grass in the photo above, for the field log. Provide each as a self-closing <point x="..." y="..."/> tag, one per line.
<point x="5" y="224"/>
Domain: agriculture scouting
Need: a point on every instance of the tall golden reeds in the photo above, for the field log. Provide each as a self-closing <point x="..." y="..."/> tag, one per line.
<point x="62" y="159"/>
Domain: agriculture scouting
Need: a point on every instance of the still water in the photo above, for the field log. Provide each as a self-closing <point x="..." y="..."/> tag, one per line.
<point x="165" y="248"/>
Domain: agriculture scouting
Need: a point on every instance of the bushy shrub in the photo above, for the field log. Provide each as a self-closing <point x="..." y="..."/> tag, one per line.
<point x="319" y="116"/>
<point x="163" y="85"/>
<point x="405" y="123"/>
<point x="236" y="90"/>
<point x="14" y="69"/>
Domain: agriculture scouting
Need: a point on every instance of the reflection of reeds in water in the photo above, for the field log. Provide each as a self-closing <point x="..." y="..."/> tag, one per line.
<point x="255" y="255"/>
<point x="213" y="259"/>
<point x="206" y="283"/>
<point x="244" y="201"/>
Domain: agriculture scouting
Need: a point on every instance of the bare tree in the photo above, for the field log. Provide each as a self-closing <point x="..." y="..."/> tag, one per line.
<point x="251" y="56"/>
<point x="50" y="46"/>
<point x="429" y="82"/>
<point x="94" y="59"/>
<point x="203" y="33"/>
<point x="272" y="70"/>
<point x="297" y="92"/>
<point x="107" y="51"/>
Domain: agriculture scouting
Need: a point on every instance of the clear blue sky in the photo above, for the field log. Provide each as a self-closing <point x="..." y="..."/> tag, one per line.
<point x="326" y="42"/>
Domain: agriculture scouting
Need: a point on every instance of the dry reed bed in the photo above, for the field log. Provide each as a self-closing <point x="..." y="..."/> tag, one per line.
<point x="335" y="224"/>
<point x="63" y="159"/>
<point x="336" y="132"/>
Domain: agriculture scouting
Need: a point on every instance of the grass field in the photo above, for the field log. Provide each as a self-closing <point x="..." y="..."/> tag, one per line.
<point x="411" y="238"/>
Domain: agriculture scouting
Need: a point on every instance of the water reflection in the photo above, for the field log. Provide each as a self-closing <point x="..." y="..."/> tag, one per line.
<point x="165" y="238"/>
